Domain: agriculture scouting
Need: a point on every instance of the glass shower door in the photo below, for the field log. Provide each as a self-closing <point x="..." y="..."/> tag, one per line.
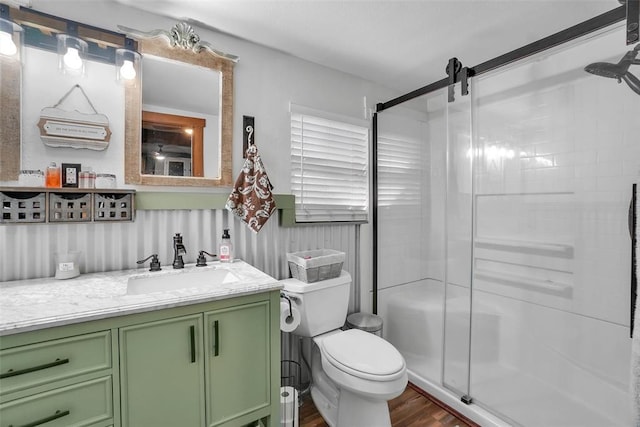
<point x="504" y="273"/>
<point x="554" y="162"/>
<point x="458" y="227"/>
<point x="411" y="174"/>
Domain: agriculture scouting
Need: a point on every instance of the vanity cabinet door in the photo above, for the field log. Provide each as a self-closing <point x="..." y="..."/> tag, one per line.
<point x="162" y="373"/>
<point x="237" y="368"/>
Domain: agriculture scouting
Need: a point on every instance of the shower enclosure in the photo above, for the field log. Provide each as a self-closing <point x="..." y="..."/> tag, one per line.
<point x="503" y="249"/>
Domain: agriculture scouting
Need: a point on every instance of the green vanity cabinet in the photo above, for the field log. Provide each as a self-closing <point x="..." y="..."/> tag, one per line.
<point x="208" y="364"/>
<point x="162" y="373"/>
<point x="238" y="362"/>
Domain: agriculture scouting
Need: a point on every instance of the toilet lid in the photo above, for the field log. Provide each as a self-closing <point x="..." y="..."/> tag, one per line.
<point x="363" y="354"/>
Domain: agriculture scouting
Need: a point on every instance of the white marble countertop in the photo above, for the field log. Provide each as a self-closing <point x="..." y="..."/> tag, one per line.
<point x="32" y="304"/>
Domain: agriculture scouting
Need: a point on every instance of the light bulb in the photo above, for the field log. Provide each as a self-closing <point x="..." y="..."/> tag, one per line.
<point x="7" y="46"/>
<point x="127" y="71"/>
<point x="72" y="59"/>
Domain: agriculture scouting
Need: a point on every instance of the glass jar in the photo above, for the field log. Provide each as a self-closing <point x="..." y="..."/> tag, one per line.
<point x="87" y="179"/>
<point x="105" y="180"/>
<point x="31" y="178"/>
<point x="52" y="177"/>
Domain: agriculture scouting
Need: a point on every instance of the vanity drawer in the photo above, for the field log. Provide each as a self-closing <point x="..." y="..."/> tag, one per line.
<point x="81" y="404"/>
<point x="36" y="364"/>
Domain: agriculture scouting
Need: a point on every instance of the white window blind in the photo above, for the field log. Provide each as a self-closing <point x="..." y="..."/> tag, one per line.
<point x="400" y="169"/>
<point x="329" y="166"/>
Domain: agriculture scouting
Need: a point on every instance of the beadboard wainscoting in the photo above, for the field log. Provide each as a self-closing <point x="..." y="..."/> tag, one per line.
<point x="28" y="249"/>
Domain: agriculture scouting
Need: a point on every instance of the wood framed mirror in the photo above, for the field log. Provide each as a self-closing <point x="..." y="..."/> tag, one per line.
<point x="208" y="163"/>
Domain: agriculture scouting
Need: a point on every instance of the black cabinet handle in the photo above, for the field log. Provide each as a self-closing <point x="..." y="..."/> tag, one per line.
<point x="192" y="334"/>
<point x="12" y="373"/>
<point x="216" y="339"/>
<point x="58" y="414"/>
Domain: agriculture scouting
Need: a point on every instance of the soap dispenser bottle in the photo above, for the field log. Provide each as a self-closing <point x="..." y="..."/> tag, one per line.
<point x="225" y="252"/>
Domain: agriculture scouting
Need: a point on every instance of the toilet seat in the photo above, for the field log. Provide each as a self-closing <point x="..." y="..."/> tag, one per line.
<point x="363" y="355"/>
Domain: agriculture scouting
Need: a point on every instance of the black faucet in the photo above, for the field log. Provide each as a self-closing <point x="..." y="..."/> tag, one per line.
<point x="202" y="260"/>
<point x="155" y="263"/>
<point x="178" y="251"/>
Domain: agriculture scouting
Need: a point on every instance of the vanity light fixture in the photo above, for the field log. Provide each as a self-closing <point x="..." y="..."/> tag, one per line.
<point x="127" y="63"/>
<point x="72" y="52"/>
<point x="7" y="45"/>
<point x="9" y="31"/>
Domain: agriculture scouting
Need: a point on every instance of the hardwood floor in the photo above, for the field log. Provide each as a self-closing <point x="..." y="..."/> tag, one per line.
<point x="410" y="409"/>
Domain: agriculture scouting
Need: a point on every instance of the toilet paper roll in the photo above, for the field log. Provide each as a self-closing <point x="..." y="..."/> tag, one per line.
<point x="289" y="321"/>
<point x="288" y="406"/>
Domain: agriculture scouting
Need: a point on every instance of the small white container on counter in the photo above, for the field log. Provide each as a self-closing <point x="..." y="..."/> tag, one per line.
<point x="31" y="178"/>
<point x="105" y="180"/>
<point x="67" y="264"/>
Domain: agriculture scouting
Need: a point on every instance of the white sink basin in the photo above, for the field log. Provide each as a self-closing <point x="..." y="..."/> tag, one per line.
<point x="180" y="279"/>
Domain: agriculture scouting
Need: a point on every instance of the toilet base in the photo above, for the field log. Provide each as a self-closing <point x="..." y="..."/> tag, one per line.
<point x="354" y="411"/>
<point x="324" y="393"/>
<point x="351" y="410"/>
<point x="327" y="409"/>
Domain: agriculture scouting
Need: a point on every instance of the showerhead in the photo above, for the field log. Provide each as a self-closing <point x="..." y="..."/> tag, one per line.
<point x="619" y="71"/>
<point x="606" y="69"/>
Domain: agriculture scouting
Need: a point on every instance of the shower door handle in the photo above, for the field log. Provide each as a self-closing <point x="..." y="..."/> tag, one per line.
<point x="632" y="218"/>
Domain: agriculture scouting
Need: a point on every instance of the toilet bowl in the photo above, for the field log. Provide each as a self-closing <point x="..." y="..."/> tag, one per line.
<point x="364" y="369"/>
<point x="363" y="363"/>
<point x="354" y="373"/>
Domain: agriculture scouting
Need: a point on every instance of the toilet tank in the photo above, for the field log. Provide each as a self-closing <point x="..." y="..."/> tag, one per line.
<point x="322" y="305"/>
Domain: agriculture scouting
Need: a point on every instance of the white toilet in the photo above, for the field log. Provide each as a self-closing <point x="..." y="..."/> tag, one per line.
<point x="354" y="373"/>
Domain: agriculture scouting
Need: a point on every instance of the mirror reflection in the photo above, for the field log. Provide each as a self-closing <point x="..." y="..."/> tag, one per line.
<point x="180" y="120"/>
<point x="167" y="145"/>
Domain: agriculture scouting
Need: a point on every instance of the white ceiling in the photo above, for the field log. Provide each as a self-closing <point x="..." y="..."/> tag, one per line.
<point x="401" y="44"/>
